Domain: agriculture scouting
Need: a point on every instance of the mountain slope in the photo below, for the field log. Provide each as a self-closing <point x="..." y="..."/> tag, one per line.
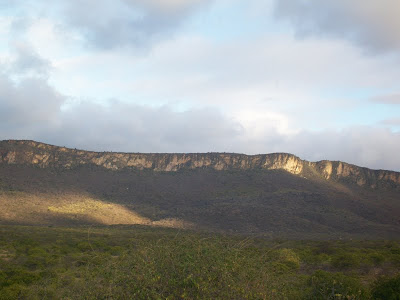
<point x="271" y="195"/>
<point x="44" y="155"/>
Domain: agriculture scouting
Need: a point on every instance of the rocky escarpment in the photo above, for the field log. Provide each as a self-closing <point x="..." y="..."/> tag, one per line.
<point x="336" y="170"/>
<point x="44" y="155"/>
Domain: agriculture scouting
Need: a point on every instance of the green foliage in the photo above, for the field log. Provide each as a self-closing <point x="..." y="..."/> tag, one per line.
<point x="377" y="258"/>
<point x="289" y="258"/>
<point x="327" y="285"/>
<point x="14" y="291"/>
<point x="343" y="261"/>
<point x="270" y="203"/>
<point x="153" y="263"/>
<point x="387" y="288"/>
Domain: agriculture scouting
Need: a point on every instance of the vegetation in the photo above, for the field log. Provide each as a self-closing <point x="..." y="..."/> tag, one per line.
<point x="257" y="234"/>
<point x="271" y="203"/>
<point x="138" y="262"/>
<point x="387" y="288"/>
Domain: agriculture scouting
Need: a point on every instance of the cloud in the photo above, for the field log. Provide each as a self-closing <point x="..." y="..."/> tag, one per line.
<point x="375" y="25"/>
<point x="106" y="24"/>
<point x="253" y="97"/>
<point x="28" y="61"/>
<point x="391" y="122"/>
<point x="29" y="102"/>
<point x="30" y="108"/>
<point x="387" y="99"/>
<point x="197" y="72"/>
<point x="127" y="127"/>
<point x="136" y="23"/>
<point x="364" y="146"/>
<point x="7" y="3"/>
<point x="119" y="126"/>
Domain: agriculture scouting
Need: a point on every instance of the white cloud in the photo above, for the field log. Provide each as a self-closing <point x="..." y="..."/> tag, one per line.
<point x="268" y="92"/>
<point x="258" y="123"/>
<point x="364" y="146"/>
<point x="131" y="128"/>
<point x="272" y="75"/>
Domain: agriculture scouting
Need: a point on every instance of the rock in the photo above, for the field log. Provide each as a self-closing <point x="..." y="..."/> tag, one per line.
<point x="44" y="155"/>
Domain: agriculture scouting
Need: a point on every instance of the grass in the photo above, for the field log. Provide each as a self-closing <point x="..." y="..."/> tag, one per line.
<point x="138" y="262"/>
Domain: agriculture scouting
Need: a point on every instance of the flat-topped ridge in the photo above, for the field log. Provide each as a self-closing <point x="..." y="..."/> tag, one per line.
<point x="27" y="152"/>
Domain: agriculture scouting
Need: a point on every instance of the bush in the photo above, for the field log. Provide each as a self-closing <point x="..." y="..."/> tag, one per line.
<point x="325" y="285"/>
<point x="344" y="261"/>
<point x="15" y="291"/>
<point x="377" y="258"/>
<point x="289" y="258"/>
<point x="387" y="288"/>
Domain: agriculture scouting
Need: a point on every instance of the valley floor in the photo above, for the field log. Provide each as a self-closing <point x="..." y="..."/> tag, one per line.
<point x="139" y="262"/>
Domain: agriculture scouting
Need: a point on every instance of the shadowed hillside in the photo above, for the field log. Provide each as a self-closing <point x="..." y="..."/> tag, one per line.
<point x="269" y="195"/>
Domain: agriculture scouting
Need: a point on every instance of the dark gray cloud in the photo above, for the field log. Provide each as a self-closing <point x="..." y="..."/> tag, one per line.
<point x="372" y="24"/>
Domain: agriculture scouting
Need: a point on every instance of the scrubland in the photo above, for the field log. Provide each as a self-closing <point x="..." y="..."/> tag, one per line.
<point x="140" y="262"/>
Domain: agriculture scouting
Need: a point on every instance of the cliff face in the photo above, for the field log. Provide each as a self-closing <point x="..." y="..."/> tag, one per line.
<point x="361" y="176"/>
<point x="43" y="155"/>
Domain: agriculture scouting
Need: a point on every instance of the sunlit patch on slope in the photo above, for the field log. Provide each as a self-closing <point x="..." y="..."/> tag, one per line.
<point x="99" y="211"/>
<point x="50" y="209"/>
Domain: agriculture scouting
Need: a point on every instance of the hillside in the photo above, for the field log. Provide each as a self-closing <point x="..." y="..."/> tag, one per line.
<point x="269" y="195"/>
<point x="44" y="155"/>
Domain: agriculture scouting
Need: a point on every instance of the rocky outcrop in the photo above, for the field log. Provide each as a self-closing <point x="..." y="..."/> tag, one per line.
<point x="361" y="176"/>
<point x="44" y="155"/>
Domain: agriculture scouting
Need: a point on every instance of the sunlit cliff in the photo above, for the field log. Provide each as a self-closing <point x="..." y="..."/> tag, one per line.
<point x="32" y="153"/>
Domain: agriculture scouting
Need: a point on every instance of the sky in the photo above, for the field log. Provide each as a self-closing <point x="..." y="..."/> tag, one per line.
<point x="319" y="79"/>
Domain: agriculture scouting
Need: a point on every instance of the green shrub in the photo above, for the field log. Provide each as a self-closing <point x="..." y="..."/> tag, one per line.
<point x="387" y="288"/>
<point x="345" y="261"/>
<point x="154" y="263"/>
<point x="15" y="291"/>
<point x="325" y="285"/>
<point x="377" y="258"/>
<point x="280" y="268"/>
<point x="289" y="258"/>
<point x="18" y="275"/>
<point x="84" y="246"/>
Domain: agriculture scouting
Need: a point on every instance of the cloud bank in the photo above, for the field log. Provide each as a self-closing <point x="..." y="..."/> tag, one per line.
<point x="32" y="109"/>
